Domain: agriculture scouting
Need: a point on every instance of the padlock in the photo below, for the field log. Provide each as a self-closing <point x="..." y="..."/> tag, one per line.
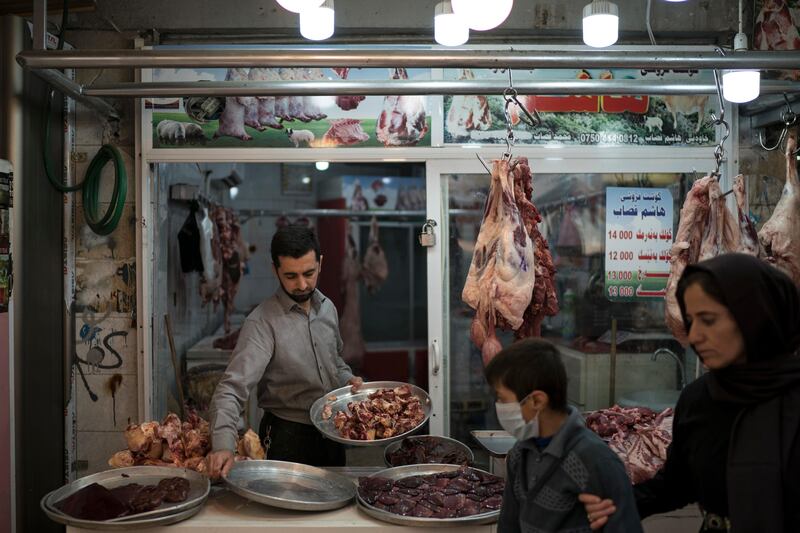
<point x="427" y="237"/>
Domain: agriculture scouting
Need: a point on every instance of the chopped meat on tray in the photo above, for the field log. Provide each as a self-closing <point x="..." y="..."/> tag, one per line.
<point x="385" y="413"/>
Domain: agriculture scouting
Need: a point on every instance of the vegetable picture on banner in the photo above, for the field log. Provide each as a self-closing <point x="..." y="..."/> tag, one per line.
<point x="289" y="121"/>
<point x="638" y="242"/>
<point x="584" y="119"/>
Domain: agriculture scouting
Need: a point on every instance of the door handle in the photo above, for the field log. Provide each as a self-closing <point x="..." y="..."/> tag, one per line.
<point x="436" y="357"/>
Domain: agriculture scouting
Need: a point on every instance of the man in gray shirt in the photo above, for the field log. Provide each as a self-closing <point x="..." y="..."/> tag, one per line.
<point x="290" y="345"/>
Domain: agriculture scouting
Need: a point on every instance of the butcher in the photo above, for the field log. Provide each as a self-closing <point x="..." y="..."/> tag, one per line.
<point x="290" y="346"/>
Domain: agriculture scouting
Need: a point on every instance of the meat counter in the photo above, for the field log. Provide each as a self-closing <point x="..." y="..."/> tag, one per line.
<point x="226" y="512"/>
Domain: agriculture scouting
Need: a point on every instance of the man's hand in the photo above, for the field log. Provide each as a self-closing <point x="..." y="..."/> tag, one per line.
<point x="597" y="510"/>
<point x="355" y="383"/>
<point x="219" y="463"/>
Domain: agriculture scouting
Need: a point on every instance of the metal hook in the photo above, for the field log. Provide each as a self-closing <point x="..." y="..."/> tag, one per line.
<point x="789" y="118"/>
<point x="483" y="162"/>
<point x="719" y="150"/>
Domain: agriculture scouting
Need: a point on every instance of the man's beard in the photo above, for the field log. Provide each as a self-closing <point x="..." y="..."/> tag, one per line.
<point x="301" y="297"/>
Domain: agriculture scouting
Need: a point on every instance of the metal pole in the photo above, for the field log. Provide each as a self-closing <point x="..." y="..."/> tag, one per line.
<point x="328" y="213"/>
<point x="40" y="25"/>
<point x="73" y="90"/>
<point x="403" y="57"/>
<point x="397" y="87"/>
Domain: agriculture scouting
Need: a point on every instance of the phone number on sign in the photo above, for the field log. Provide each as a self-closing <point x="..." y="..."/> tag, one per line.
<point x="618" y="138"/>
<point x="622" y="291"/>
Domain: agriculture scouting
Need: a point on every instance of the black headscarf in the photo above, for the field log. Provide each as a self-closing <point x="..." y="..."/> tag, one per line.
<point x="765" y="304"/>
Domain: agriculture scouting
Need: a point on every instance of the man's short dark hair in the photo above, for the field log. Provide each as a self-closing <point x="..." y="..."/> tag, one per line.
<point x="529" y="365"/>
<point x="293" y="241"/>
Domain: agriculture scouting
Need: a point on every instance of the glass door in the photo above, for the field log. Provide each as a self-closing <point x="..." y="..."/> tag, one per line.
<point x="570" y="194"/>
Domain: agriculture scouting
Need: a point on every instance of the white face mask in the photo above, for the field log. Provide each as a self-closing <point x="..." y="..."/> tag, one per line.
<point x="510" y="417"/>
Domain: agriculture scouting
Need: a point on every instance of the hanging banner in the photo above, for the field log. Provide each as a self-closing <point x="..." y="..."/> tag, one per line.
<point x="289" y="122"/>
<point x="585" y="120"/>
<point x="639" y="225"/>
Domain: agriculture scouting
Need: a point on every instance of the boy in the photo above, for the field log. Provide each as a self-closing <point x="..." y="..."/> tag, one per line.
<point x="556" y="457"/>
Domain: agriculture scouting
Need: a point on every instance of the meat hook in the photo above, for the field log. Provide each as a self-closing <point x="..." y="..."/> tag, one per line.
<point x="789" y="119"/>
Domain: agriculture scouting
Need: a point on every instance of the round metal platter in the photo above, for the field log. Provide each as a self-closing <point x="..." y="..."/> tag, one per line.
<point x="400" y="472"/>
<point x="393" y="447"/>
<point x="290" y="485"/>
<point x="166" y="513"/>
<point x="344" y="396"/>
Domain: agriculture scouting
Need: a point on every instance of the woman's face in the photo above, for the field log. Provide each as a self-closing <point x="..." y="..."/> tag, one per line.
<point x="713" y="332"/>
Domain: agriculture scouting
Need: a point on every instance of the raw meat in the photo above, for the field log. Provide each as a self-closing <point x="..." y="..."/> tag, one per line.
<point x="350" y="320"/>
<point x="344" y="131"/>
<point x="184" y="444"/>
<point x="780" y="236"/>
<point x="232" y="120"/>
<point x="375" y="269"/>
<point x="544" y="300"/>
<point x="468" y="113"/>
<point x="93" y="502"/>
<point x="359" y="202"/>
<point x="228" y="342"/>
<point x="266" y="104"/>
<point x="403" y="121"/>
<point x="211" y="284"/>
<point x="501" y="277"/>
<point x="311" y="104"/>
<point x="233" y="254"/>
<point x="749" y="235"/>
<point x="637" y="435"/>
<point x="775" y="29"/>
<point x="686" y="249"/>
<point x="421" y="450"/>
<point x="385" y="413"/>
<point x="462" y="492"/>
<point x="347" y="103"/>
<point x="722" y="231"/>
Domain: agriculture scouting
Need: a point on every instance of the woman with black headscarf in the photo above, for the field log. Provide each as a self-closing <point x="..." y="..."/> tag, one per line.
<point x="736" y="439"/>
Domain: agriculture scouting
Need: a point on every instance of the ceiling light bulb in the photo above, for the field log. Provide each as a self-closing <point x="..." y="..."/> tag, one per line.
<point x="448" y="28"/>
<point x="233" y="192"/>
<point x="322" y="166"/>
<point x="482" y="15"/>
<point x="600" y="23"/>
<point x="740" y="86"/>
<point x="298" y="6"/>
<point x="316" y="24"/>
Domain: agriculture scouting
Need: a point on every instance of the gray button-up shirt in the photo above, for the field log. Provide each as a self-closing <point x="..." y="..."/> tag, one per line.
<point x="293" y="356"/>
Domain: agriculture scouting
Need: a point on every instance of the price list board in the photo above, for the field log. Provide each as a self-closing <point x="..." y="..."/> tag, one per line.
<point x="639" y="225"/>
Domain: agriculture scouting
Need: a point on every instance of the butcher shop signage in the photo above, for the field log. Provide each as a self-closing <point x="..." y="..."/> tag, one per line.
<point x="585" y="119"/>
<point x="638" y="241"/>
<point x="289" y="122"/>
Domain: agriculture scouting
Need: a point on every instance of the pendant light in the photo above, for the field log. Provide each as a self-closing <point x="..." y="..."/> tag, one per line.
<point x="600" y="23"/>
<point x="740" y="86"/>
<point x="482" y="15"/>
<point x="316" y="24"/>
<point x="448" y="28"/>
<point x="298" y="6"/>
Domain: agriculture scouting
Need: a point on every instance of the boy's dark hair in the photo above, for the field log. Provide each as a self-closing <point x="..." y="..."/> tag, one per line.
<point x="529" y="365"/>
<point x="293" y="241"/>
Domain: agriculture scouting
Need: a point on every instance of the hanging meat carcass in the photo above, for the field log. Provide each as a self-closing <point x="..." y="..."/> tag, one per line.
<point x="722" y="231"/>
<point x="403" y="121"/>
<point x="544" y="300"/>
<point x="375" y="268"/>
<point x="749" y="234"/>
<point x="233" y="253"/>
<point x="686" y="249"/>
<point x="311" y="104"/>
<point x="350" y="320"/>
<point x="266" y="104"/>
<point x="780" y="235"/>
<point x="346" y="103"/>
<point x="468" y="113"/>
<point x="501" y="277"/>
<point x="776" y="29"/>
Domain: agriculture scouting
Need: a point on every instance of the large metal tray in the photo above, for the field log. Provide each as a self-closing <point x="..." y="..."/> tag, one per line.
<point x="400" y="472"/>
<point x="166" y="513"/>
<point x="344" y="396"/>
<point x="393" y="447"/>
<point x="496" y="442"/>
<point x="290" y="485"/>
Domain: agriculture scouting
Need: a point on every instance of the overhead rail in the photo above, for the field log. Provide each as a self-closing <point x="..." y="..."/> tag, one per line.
<point x="409" y="58"/>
